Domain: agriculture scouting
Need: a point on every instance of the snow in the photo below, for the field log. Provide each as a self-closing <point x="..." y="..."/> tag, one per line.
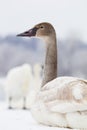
<point x="18" y="119"/>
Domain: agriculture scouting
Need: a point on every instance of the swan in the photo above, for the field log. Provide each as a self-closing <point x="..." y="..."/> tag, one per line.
<point x="61" y="101"/>
<point x="37" y="80"/>
<point x="17" y="83"/>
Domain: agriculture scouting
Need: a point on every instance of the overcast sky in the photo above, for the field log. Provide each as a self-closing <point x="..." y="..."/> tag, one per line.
<point x="67" y="16"/>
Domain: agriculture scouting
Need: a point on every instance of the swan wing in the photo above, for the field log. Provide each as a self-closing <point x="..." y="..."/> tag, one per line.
<point x="65" y="94"/>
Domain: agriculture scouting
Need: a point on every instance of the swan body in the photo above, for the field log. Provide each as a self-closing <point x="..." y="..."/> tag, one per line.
<point x="17" y="83"/>
<point x="61" y="101"/>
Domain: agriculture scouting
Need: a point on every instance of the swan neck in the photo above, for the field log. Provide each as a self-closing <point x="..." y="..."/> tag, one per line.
<point x="50" y="67"/>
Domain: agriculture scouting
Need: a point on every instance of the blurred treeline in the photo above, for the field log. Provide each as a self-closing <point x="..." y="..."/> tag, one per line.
<point x="72" y="54"/>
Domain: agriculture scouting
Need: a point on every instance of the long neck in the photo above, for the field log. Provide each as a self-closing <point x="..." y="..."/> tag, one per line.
<point x="50" y="67"/>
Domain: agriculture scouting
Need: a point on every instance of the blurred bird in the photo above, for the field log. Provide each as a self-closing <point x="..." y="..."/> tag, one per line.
<point x="17" y="84"/>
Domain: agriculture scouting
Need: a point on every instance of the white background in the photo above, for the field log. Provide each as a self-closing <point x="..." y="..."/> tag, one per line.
<point x="68" y="16"/>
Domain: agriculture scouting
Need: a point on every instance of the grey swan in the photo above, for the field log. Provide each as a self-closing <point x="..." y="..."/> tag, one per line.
<point x="61" y="101"/>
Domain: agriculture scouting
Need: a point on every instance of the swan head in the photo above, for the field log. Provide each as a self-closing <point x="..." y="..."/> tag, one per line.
<point x="26" y="67"/>
<point x="37" y="68"/>
<point x="40" y="30"/>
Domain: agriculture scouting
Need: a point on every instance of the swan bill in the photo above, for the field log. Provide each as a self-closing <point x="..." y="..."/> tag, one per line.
<point x="29" y="33"/>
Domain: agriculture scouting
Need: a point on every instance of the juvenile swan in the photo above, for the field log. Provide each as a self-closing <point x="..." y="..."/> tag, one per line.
<point x="61" y="101"/>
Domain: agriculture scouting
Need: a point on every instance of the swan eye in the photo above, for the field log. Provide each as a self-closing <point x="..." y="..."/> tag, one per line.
<point x="41" y="27"/>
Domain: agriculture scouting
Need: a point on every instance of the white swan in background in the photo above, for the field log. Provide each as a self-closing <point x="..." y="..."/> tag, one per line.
<point x="37" y="69"/>
<point x="17" y="83"/>
<point x="61" y="101"/>
<point x="35" y="86"/>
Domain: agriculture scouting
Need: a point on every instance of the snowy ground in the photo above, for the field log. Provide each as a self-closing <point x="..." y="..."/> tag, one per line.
<point x="20" y="120"/>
